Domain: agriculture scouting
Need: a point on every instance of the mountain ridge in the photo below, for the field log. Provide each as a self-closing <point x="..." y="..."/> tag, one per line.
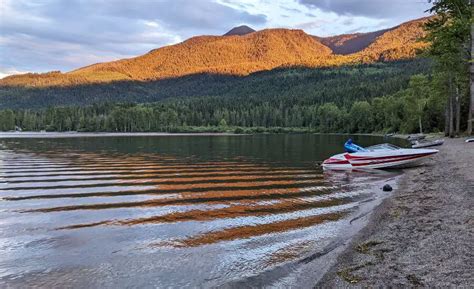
<point x="241" y="53"/>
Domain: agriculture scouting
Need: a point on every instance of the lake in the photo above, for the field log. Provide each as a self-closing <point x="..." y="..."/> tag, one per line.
<point x="177" y="211"/>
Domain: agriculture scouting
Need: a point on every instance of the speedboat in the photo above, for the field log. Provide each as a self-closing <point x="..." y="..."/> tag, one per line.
<point x="380" y="156"/>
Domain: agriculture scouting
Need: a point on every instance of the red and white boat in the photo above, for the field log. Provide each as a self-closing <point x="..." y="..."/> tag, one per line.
<point x="381" y="156"/>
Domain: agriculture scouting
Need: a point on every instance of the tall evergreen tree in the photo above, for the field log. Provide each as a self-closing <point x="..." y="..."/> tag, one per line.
<point x="449" y="33"/>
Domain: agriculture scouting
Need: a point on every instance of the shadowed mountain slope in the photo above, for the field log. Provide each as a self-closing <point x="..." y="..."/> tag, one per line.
<point x="350" y="43"/>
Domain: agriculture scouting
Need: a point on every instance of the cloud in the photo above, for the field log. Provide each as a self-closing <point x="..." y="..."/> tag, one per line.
<point x="177" y="14"/>
<point x="294" y="10"/>
<point x="311" y="24"/>
<point x="4" y="72"/>
<point x="41" y="35"/>
<point x="348" y="21"/>
<point x="380" y="9"/>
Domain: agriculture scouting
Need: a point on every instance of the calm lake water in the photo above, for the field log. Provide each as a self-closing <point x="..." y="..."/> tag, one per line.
<point x="176" y="211"/>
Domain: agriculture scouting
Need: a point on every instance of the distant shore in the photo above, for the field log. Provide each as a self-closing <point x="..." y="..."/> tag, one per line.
<point x="422" y="234"/>
<point x="68" y="134"/>
<point x="30" y="134"/>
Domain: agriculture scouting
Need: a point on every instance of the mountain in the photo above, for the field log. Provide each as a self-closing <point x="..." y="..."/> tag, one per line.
<point x="350" y="43"/>
<point x="240" y="30"/>
<point x="240" y="53"/>
<point x="402" y="41"/>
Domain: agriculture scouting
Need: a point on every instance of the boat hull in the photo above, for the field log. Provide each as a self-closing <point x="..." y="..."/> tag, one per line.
<point x="379" y="159"/>
<point x="401" y="161"/>
<point x="337" y="162"/>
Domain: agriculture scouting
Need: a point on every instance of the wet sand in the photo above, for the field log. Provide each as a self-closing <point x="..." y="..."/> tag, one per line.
<point x="423" y="235"/>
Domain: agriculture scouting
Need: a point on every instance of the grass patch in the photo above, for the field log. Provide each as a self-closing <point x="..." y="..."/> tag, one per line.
<point x="364" y="248"/>
<point x="348" y="275"/>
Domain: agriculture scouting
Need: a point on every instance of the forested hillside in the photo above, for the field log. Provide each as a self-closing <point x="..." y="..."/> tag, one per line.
<point x="365" y="98"/>
<point x="304" y="86"/>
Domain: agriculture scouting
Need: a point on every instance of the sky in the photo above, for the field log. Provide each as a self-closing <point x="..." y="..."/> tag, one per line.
<point x="47" y="35"/>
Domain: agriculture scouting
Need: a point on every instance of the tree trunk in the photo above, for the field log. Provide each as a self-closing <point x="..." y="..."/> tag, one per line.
<point x="458" y="111"/>
<point x="421" y="126"/>
<point x="451" y="115"/>
<point x="446" y="110"/>
<point x="450" y="108"/>
<point x="470" y="117"/>
<point x="446" y="119"/>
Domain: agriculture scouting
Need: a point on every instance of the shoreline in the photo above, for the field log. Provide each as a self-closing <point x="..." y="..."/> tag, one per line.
<point x="421" y="235"/>
<point x="104" y="134"/>
<point x="53" y="134"/>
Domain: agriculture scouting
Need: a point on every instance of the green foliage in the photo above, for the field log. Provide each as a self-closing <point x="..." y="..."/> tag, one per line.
<point x="223" y="123"/>
<point x="399" y="112"/>
<point x="449" y="34"/>
<point x="375" y="98"/>
<point x="329" y="118"/>
<point x="7" y="120"/>
<point x="361" y="117"/>
<point x="287" y="87"/>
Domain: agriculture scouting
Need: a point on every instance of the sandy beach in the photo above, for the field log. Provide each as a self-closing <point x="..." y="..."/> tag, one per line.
<point x="420" y="236"/>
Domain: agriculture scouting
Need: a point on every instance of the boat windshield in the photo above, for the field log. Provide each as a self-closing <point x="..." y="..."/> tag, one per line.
<point x="385" y="146"/>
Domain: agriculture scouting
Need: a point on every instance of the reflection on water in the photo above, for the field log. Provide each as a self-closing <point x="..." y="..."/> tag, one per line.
<point x="173" y="211"/>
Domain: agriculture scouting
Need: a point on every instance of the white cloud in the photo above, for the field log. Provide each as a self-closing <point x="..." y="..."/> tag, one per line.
<point x="152" y="24"/>
<point x="380" y="9"/>
<point x="4" y="72"/>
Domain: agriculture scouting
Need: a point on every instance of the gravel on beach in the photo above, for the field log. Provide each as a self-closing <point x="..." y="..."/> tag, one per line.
<point x="422" y="235"/>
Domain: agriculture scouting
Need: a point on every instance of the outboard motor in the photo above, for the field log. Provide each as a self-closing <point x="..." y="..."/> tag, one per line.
<point x="351" y="147"/>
